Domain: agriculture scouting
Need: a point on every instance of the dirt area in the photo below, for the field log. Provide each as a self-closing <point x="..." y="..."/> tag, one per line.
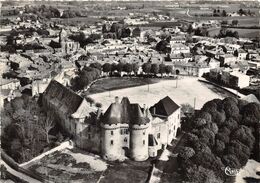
<point x="188" y="90"/>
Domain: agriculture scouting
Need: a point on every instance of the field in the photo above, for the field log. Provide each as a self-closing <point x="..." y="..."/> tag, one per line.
<point x="243" y="33"/>
<point x="109" y="84"/>
<point x="189" y="90"/>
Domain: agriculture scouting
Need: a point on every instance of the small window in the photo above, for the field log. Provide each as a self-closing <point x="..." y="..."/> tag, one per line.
<point x="112" y="133"/>
<point x="111" y="142"/>
<point x="89" y="128"/>
<point x="143" y="142"/>
<point x="158" y="135"/>
<point x="126" y="131"/>
<point x="121" y="131"/>
<point x="125" y="140"/>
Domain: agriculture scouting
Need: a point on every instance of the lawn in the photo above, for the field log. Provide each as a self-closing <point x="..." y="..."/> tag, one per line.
<point x="189" y="90"/>
<point x="127" y="172"/>
<point x="108" y="84"/>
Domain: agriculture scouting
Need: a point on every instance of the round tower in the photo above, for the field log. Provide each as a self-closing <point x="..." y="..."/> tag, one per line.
<point x="110" y="142"/>
<point x="139" y="130"/>
<point x="139" y="142"/>
<point x="110" y="134"/>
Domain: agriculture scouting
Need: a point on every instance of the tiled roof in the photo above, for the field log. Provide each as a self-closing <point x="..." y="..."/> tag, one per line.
<point x="165" y="107"/>
<point x="124" y="112"/>
<point x="62" y="97"/>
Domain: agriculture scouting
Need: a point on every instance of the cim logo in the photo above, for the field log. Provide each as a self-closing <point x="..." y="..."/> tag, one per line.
<point x="231" y="171"/>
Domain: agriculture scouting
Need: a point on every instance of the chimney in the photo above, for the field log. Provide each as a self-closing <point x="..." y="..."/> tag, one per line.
<point x="99" y="112"/>
<point x="153" y="110"/>
<point x="117" y="99"/>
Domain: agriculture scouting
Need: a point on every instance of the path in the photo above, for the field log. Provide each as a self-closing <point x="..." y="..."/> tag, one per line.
<point x="62" y="146"/>
<point x="19" y="174"/>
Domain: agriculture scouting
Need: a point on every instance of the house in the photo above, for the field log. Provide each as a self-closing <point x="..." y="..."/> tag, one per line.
<point x="11" y="84"/>
<point x="227" y="59"/>
<point x="165" y="129"/>
<point x="235" y="79"/>
<point x="191" y="69"/>
<point x="124" y="129"/>
<point x="177" y="48"/>
<point x="39" y="86"/>
<point x="241" y="54"/>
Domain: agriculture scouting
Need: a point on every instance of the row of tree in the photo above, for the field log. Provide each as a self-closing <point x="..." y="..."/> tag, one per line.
<point x="228" y="33"/>
<point x="83" y="40"/>
<point x="89" y="74"/>
<point x="225" y="133"/>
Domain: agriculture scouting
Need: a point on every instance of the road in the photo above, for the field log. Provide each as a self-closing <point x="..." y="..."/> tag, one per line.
<point x="188" y="13"/>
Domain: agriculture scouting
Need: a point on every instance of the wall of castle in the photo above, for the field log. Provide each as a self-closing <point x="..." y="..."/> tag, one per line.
<point x="173" y="124"/>
<point x="160" y="132"/>
<point x="88" y="137"/>
<point x="139" y="142"/>
<point x="111" y="146"/>
<point x="124" y="135"/>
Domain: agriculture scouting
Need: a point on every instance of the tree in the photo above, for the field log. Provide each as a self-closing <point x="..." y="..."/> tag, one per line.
<point x="186" y="153"/>
<point x="238" y="149"/>
<point x="113" y="67"/>
<point x="98" y="105"/>
<point x="234" y="22"/>
<point x="162" y="69"/>
<point x="155" y="69"/>
<point x="46" y="124"/>
<point x="106" y="67"/>
<point x="96" y="65"/>
<point x="120" y="67"/>
<point x="219" y="147"/>
<point x="244" y="135"/>
<point x="135" y="68"/>
<point x="231" y="161"/>
<point x="90" y="100"/>
<point x="168" y="69"/>
<point x="146" y="68"/>
<point x="128" y="68"/>
<point x="198" y="174"/>
<point x="224" y="13"/>
<point x="190" y="29"/>
<point x="162" y="46"/>
<point x="187" y="108"/>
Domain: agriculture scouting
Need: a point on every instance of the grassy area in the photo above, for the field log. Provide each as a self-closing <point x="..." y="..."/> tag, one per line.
<point x="127" y="172"/>
<point x="109" y="84"/>
<point x="243" y="33"/>
<point x="68" y="166"/>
